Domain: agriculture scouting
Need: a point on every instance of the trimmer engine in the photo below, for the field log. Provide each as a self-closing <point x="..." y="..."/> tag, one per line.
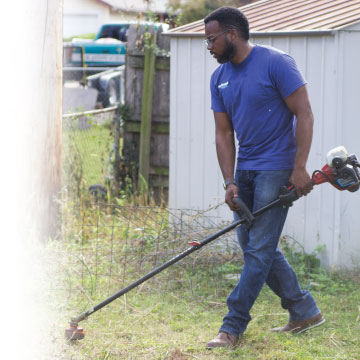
<point x="341" y="170"/>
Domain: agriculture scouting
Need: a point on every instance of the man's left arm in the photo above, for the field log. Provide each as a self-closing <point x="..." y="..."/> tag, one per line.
<point x="299" y="104"/>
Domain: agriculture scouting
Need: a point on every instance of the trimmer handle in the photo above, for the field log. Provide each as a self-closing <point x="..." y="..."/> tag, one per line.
<point x="244" y="212"/>
<point x="288" y="195"/>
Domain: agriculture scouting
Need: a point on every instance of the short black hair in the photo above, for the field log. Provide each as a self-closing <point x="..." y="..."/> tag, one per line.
<point x="230" y="17"/>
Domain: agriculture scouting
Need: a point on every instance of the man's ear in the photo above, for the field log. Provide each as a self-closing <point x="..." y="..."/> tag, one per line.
<point x="233" y="34"/>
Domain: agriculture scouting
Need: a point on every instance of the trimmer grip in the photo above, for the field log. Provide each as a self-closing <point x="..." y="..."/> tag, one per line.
<point x="244" y="212"/>
<point x="288" y="195"/>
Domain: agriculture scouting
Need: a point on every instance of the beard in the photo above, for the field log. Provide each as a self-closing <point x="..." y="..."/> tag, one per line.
<point x="227" y="54"/>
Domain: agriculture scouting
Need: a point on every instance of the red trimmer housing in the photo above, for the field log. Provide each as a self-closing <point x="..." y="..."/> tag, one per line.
<point x="341" y="171"/>
<point x="323" y="176"/>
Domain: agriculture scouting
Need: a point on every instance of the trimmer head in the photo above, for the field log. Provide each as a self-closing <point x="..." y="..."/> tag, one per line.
<point x="74" y="332"/>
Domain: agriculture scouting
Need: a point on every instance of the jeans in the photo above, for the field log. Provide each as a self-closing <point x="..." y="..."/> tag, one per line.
<point x="264" y="262"/>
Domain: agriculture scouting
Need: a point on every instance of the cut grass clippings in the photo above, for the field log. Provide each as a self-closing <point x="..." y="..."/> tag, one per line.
<point x="151" y="324"/>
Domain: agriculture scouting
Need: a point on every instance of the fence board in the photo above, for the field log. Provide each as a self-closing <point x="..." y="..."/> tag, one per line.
<point x="134" y="79"/>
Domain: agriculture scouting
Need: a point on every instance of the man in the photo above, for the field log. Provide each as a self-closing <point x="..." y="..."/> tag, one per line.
<point x="259" y="93"/>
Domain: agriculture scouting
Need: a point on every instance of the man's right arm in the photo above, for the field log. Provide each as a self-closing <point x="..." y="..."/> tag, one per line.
<point x="225" y="148"/>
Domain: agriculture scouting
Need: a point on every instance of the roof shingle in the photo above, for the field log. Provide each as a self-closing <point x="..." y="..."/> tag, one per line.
<point x="292" y="15"/>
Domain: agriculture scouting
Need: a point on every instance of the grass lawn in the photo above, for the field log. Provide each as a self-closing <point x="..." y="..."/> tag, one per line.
<point x="87" y="153"/>
<point x="150" y="323"/>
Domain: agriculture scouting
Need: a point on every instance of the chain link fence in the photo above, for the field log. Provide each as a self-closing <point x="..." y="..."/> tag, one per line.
<point x="91" y="128"/>
<point x="106" y="247"/>
<point x="88" y="149"/>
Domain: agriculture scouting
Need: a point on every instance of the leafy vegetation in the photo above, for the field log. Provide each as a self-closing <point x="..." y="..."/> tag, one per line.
<point x="192" y="10"/>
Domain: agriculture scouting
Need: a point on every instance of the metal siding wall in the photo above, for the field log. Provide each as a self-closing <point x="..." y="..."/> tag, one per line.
<point x="195" y="177"/>
<point x="326" y="135"/>
<point x="312" y="221"/>
<point x="180" y="124"/>
<point x="214" y="192"/>
<point x="321" y="210"/>
<point x="296" y="47"/>
<point x="296" y="223"/>
<point x="348" y="241"/>
<point x="313" y="63"/>
<point x="173" y="149"/>
<point x="197" y="142"/>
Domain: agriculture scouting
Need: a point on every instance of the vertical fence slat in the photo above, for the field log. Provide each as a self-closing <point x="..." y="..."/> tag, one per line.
<point x="146" y="111"/>
<point x="158" y="152"/>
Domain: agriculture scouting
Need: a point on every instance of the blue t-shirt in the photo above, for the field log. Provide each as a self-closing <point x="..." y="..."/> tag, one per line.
<point x="252" y="94"/>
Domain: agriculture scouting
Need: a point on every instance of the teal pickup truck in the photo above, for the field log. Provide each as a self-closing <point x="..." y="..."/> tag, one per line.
<point x="97" y="63"/>
<point x="107" y="50"/>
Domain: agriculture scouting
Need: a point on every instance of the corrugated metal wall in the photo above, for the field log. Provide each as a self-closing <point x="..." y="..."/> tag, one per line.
<point x="194" y="172"/>
<point x="313" y="220"/>
<point x="330" y="65"/>
<point x="348" y="250"/>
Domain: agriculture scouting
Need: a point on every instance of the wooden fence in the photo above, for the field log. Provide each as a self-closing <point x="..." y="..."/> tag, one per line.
<point x="146" y="128"/>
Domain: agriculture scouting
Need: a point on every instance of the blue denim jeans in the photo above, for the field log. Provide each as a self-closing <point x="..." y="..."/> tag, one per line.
<point x="264" y="262"/>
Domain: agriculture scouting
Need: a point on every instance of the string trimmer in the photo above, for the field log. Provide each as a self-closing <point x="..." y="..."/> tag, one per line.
<point x="341" y="171"/>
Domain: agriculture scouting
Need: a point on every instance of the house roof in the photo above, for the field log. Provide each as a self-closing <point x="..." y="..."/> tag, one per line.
<point x="279" y="16"/>
<point x="156" y="6"/>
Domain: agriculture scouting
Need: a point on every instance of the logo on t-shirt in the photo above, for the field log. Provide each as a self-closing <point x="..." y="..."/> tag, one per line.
<point x="223" y="85"/>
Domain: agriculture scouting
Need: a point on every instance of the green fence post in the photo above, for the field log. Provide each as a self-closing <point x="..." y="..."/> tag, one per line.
<point x="146" y="110"/>
<point x="117" y="136"/>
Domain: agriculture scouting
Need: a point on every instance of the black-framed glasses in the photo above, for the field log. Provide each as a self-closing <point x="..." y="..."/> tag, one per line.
<point x="211" y="41"/>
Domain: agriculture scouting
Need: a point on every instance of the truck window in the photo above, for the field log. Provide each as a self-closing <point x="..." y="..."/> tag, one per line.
<point x="118" y="32"/>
